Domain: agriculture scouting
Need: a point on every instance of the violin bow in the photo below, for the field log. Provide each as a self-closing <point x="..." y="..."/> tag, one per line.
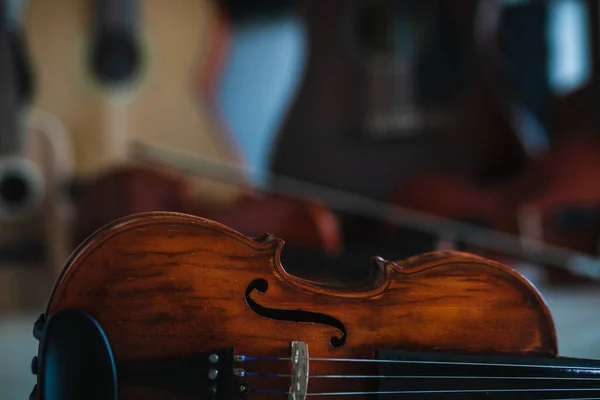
<point x="577" y="263"/>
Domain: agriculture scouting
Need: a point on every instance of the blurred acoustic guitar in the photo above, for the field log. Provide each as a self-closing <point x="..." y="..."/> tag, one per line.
<point x="120" y="70"/>
<point x="391" y="89"/>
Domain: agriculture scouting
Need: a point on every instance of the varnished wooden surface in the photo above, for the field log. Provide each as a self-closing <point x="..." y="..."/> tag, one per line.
<point x="167" y="284"/>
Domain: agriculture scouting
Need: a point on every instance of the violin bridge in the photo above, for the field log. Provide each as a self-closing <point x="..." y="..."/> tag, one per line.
<point x="299" y="384"/>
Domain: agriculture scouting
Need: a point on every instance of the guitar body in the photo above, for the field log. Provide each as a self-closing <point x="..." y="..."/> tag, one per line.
<point x="157" y="105"/>
<point x="559" y="191"/>
<point x="327" y="138"/>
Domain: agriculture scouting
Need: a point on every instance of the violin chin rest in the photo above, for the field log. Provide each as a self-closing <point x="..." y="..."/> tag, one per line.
<point x="75" y="359"/>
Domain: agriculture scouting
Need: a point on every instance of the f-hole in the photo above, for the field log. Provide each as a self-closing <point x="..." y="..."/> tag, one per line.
<point x="261" y="285"/>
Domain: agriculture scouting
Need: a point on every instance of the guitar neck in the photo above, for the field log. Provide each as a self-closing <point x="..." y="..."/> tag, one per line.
<point x="117" y="16"/>
<point x="115" y="48"/>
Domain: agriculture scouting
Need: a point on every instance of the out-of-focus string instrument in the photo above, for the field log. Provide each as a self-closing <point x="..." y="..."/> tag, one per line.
<point x="117" y="70"/>
<point x="494" y="206"/>
<point x="560" y="197"/>
<point x="132" y="73"/>
<point x="392" y="88"/>
<point x="385" y="213"/>
<point x="552" y="198"/>
<point x="560" y="189"/>
<point x="186" y="308"/>
<point x="384" y="94"/>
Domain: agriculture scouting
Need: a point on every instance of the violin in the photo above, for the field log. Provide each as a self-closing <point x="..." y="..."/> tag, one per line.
<point x="171" y="306"/>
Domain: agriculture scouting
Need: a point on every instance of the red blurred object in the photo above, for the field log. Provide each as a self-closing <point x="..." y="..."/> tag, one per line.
<point x="132" y="189"/>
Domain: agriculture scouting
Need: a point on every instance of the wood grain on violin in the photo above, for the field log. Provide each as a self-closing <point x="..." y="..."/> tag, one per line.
<point x="167" y="285"/>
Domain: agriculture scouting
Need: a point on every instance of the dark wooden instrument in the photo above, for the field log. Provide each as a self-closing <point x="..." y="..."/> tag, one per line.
<point x="559" y="198"/>
<point x="385" y="95"/>
<point x="555" y="199"/>
<point x="35" y="158"/>
<point x="449" y="196"/>
<point x="104" y="67"/>
<point x="192" y="309"/>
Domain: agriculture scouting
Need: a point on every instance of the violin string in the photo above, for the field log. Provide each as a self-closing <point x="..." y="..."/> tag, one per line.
<point x="454" y="391"/>
<point x="275" y="375"/>
<point x="453" y="363"/>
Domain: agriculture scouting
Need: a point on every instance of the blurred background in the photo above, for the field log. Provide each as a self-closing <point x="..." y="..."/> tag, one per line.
<point x="348" y="128"/>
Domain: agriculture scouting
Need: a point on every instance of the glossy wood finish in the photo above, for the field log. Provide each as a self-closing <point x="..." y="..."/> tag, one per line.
<point x="168" y="284"/>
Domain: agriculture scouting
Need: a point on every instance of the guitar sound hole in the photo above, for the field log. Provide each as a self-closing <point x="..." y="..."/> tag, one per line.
<point x="14" y="189"/>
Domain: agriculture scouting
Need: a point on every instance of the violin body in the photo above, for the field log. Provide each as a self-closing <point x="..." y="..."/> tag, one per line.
<point x="164" y="286"/>
<point x="448" y="196"/>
